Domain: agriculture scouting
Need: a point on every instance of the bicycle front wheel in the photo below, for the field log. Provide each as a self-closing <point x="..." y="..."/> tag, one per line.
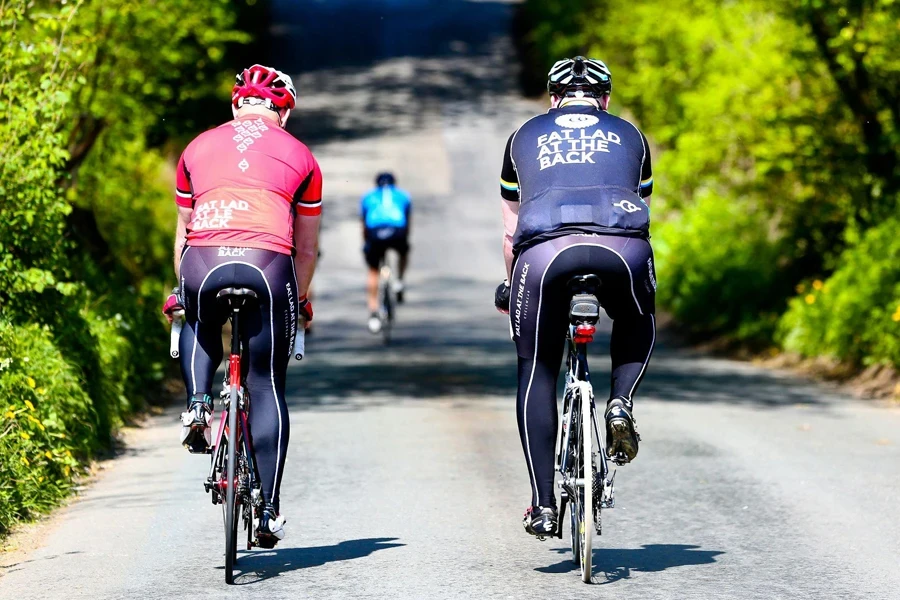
<point x="586" y="492"/>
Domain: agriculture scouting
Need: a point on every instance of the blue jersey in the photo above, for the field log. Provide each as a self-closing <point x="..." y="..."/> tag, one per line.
<point x="386" y="206"/>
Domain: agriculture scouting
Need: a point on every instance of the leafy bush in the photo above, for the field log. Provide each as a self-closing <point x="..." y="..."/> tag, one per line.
<point x="790" y="107"/>
<point x="91" y="93"/>
<point x="854" y="315"/>
<point x="719" y="269"/>
<point x="49" y="422"/>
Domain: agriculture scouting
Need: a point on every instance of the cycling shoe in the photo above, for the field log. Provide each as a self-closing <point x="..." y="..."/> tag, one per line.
<point x="196" y="435"/>
<point x="541" y="521"/>
<point x="271" y="528"/>
<point x="621" y="432"/>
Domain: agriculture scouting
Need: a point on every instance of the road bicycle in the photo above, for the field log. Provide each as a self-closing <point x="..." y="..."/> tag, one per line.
<point x="581" y="460"/>
<point x="232" y="457"/>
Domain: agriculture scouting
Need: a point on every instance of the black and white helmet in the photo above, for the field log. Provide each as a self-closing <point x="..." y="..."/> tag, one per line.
<point x="587" y="75"/>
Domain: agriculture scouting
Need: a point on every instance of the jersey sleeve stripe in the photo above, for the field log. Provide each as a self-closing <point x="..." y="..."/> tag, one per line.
<point x="647" y="182"/>
<point x="513" y="187"/>
<point x="309" y="203"/>
<point x="181" y="194"/>
<point x="309" y="210"/>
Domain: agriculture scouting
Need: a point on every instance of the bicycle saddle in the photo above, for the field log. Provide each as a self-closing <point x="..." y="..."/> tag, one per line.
<point x="586" y="284"/>
<point x="236" y="296"/>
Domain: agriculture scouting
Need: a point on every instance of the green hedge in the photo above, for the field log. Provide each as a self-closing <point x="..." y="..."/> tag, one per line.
<point x="50" y="423"/>
<point x="95" y="96"/>
<point x="776" y="143"/>
<point x="854" y="315"/>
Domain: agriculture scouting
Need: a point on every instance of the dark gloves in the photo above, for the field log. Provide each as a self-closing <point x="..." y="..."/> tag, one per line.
<point x="501" y="297"/>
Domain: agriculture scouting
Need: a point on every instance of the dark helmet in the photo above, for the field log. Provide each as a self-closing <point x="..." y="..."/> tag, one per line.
<point x="587" y="75"/>
<point x="384" y="179"/>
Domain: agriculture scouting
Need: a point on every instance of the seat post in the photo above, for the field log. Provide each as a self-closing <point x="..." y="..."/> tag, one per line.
<point x="235" y="330"/>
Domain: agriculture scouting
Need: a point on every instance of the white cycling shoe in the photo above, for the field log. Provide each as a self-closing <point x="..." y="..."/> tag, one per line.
<point x="271" y="528"/>
<point x="196" y="434"/>
<point x="374" y="324"/>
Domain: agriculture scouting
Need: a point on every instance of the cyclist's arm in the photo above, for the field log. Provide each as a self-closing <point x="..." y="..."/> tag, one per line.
<point x="306" y="228"/>
<point x="510" y="220"/>
<point x="509" y="191"/>
<point x="184" y="218"/>
<point x="646" y="173"/>
<point x="408" y="217"/>
<point x="306" y="250"/>
<point x="184" y="199"/>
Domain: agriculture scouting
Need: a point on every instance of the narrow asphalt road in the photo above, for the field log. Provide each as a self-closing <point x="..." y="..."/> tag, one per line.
<point x="405" y="478"/>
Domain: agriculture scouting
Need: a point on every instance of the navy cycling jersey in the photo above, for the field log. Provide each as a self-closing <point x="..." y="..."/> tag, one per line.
<point x="577" y="169"/>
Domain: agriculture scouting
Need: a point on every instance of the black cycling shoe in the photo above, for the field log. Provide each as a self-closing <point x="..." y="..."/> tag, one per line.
<point x="271" y="528"/>
<point x="541" y="521"/>
<point x="621" y="434"/>
<point x="195" y="430"/>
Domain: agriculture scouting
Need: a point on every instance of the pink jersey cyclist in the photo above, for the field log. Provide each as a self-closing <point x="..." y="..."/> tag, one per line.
<point x="249" y="201"/>
<point x="244" y="181"/>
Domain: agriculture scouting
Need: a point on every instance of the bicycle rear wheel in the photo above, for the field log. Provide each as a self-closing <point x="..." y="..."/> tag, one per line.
<point x="387" y="310"/>
<point x="231" y="514"/>
<point x="586" y="509"/>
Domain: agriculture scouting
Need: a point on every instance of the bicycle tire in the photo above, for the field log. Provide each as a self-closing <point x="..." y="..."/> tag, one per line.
<point x="231" y="493"/>
<point x="587" y="500"/>
<point x="387" y="309"/>
<point x="572" y="465"/>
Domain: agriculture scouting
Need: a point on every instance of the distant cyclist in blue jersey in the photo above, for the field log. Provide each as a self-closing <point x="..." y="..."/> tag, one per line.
<point x="385" y="213"/>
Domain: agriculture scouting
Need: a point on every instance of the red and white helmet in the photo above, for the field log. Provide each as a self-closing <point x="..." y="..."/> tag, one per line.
<point x="273" y="87"/>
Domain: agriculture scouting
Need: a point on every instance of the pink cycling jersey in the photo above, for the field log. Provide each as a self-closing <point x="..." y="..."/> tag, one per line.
<point x="245" y="181"/>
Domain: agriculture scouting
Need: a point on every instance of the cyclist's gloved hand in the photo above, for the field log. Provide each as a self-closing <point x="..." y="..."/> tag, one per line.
<point x="306" y="309"/>
<point x="501" y="298"/>
<point x="173" y="304"/>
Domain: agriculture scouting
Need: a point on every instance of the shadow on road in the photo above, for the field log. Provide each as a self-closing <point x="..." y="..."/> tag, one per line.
<point x="671" y="377"/>
<point x="614" y="564"/>
<point x="259" y="566"/>
<point x="387" y="61"/>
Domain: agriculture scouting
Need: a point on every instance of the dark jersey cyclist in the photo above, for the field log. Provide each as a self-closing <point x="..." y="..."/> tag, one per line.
<point x="386" y="219"/>
<point x="576" y="185"/>
<point x="249" y="199"/>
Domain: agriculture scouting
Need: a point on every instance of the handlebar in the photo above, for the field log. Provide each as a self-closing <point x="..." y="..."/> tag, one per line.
<point x="175" y="336"/>
<point x="178" y="324"/>
<point x="300" y="340"/>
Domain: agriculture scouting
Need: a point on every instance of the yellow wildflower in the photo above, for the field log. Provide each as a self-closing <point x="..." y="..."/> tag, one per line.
<point x="817" y="285"/>
<point x="10" y="414"/>
<point x="24" y="435"/>
<point x="66" y="470"/>
<point x="800" y="288"/>
<point x="48" y="455"/>
<point x="25" y="461"/>
<point x="810" y="299"/>
<point x="41" y="479"/>
<point x="31" y="382"/>
<point x="29" y="405"/>
<point x="36" y="422"/>
<point x="39" y="391"/>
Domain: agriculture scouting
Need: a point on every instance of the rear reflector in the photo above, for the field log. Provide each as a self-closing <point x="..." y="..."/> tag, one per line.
<point x="584" y="333"/>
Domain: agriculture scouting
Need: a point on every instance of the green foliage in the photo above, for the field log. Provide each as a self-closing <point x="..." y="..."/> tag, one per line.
<point x="91" y="92"/>
<point x="718" y="268"/>
<point x="48" y="423"/>
<point x="854" y="315"/>
<point x="788" y="114"/>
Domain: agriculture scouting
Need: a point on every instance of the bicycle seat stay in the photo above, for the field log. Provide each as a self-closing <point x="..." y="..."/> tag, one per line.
<point x="236" y="297"/>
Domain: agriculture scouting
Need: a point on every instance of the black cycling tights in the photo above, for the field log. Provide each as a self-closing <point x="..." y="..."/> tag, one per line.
<point x="539" y="314"/>
<point x="267" y="336"/>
